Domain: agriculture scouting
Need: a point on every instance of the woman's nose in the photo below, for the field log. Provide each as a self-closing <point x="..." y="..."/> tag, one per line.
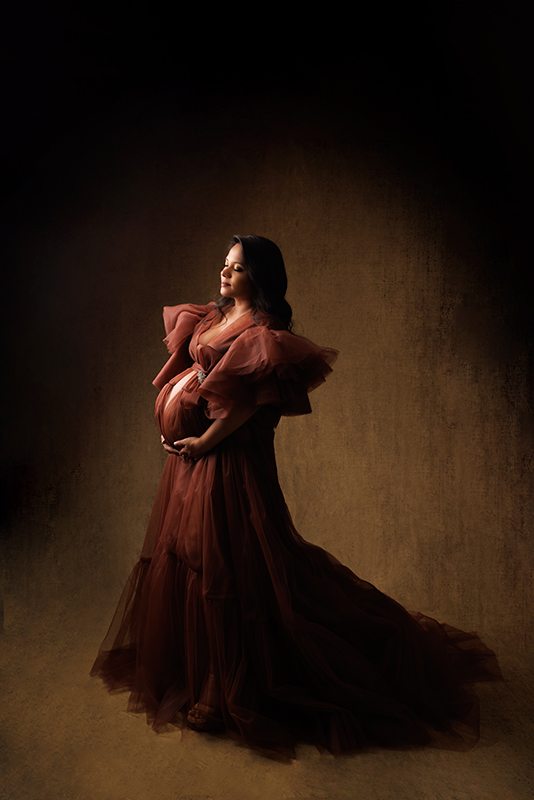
<point x="225" y="271"/>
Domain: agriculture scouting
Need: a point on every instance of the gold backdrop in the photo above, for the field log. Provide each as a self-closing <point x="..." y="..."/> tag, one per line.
<point x="415" y="467"/>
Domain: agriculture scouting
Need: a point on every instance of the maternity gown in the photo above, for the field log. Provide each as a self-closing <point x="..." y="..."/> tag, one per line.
<point x="302" y="649"/>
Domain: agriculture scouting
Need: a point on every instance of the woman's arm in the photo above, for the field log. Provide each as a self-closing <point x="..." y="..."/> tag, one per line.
<point x="197" y="446"/>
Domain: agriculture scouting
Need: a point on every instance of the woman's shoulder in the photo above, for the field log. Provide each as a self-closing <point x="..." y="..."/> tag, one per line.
<point x="185" y="314"/>
<point x="267" y="322"/>
<point x="196" y="309"/>
<point x="268" y="364"/>
<point x="180" y="324"/>
<point x="268" y="341"/>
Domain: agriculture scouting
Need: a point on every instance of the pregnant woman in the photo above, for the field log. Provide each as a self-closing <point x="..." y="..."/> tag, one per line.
<point x="230" y="620"/>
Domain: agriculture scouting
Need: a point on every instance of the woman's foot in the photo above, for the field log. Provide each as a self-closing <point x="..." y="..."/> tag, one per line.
<point x="204" y="715"/>
<point x="203" y="718"/>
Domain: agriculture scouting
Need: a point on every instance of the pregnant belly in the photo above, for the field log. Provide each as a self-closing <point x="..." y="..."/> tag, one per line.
<point x="178" y="411"/>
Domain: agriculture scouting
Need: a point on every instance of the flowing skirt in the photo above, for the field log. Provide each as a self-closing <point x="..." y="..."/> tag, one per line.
<point x="302" y="649"/>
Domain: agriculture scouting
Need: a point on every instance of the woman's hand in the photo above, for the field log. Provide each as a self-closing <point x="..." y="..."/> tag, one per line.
<point x="194" y="447"/>
<point x="189" y="449"/>
<point x="169" y="448"/>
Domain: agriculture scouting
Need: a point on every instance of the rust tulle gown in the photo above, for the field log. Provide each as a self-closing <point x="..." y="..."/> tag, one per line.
<point x="302" y="649"/>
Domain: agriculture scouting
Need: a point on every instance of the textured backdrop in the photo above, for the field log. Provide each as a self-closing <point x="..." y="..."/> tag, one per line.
<point x="415" y="468"/>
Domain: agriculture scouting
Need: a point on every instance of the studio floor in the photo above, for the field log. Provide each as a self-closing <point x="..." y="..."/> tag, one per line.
<point x="66" y="737"/>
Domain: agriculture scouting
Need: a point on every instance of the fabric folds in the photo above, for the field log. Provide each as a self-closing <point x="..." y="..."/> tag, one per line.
<point x="303" y="650"/>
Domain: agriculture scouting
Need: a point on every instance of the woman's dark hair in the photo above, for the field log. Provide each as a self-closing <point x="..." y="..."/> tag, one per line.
<point x="266" y="269"/>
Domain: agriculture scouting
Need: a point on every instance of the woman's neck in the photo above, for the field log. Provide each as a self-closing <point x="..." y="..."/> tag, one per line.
<point x="236" y="310"/>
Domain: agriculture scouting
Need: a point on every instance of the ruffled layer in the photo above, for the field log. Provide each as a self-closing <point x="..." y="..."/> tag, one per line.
<point x="180" y="322"/>
<point x="266" y="367"/>
<point x="259" y="365"/>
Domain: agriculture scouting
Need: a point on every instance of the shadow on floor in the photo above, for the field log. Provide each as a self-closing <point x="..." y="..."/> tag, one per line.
<point x="66" y="737"/>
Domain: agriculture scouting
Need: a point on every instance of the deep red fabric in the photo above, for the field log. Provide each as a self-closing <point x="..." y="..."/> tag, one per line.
<point x="302" y="649"/>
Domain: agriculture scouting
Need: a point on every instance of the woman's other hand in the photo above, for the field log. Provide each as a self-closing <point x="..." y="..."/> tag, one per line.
<point x="189" y="449"/>
<point x="169" y="448"/>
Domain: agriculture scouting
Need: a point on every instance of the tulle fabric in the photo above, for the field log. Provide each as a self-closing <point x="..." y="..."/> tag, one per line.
<point x="303" y="650"/>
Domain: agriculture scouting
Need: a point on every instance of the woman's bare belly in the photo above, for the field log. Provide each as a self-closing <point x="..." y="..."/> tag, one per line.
<point x="177" y="388"/>
<point x="176" y="420"/>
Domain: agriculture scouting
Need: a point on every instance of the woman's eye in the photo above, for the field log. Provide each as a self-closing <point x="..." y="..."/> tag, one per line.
<point x="236" y="269"/>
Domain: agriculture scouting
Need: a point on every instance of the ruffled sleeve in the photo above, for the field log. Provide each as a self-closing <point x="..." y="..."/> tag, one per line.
<point x="266" y="367"/>
<point x="180" y="322"/>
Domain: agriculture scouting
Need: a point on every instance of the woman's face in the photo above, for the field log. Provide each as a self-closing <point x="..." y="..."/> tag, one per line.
<point x="235" y="281"/>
